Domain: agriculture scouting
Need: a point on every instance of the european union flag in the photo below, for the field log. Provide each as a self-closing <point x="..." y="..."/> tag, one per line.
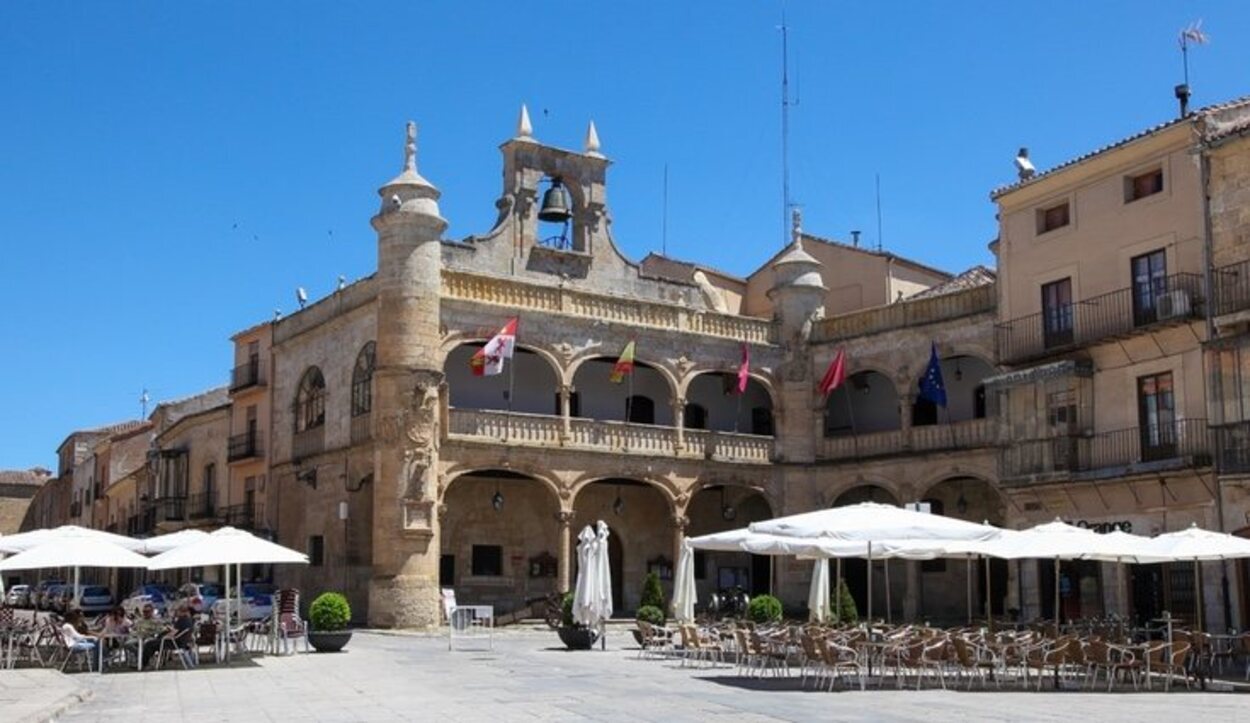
<point x="931" y="385"/>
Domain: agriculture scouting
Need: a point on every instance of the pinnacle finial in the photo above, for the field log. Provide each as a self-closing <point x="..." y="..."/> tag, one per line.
<point x="410" y="148"/>
<point x="796" y="226"/>
<point x="592" y="140"/>
<point x="524" y="129"/>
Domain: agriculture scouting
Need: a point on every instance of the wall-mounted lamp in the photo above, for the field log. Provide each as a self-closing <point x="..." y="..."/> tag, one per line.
<point x="727" y="511"/>
<point x="308" y="477"/>
<point x="961" y="504"/>
<point x="618" y="506"/>
<point x="497" y="500"/>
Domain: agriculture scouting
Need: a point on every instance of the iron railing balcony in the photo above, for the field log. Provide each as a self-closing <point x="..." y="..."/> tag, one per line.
<point x="201" y="505"/>
<point x="1232" y="288"/>
<point x="247" y="374"/>
<point x="173" y="509"/>
<point x="1125" y="451"/>
<point x="1120" y="313"/>
<point x="1233" y="445"/>
<point x="245" y="516"/>
<point x="243" y="446"/>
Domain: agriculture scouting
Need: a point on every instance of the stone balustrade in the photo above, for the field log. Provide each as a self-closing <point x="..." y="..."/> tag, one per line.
<point x="904" y="314"/>
<point x="541" y="430"/>
<point x="517" y="294"/>
<point x="968" y="434"/>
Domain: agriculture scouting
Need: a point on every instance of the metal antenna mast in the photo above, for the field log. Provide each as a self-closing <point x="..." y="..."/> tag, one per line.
<point x="664" y="226"/>
<point x="785" y="131"/>
<point x="143" y="403"/>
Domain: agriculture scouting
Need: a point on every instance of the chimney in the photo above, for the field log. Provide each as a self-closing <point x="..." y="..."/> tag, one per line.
<point x="855" y="238"/>
<point x="1182" y="94"/>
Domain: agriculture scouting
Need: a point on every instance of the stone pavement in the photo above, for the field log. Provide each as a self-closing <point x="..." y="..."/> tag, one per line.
<point x="38" y="695"/>
<point x="528" y="676"/>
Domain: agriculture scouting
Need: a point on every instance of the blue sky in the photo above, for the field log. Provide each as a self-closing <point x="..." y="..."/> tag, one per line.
<point x="173" y="171"/>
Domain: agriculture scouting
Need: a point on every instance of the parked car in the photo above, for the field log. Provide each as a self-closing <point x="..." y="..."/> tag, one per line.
<point x="91" y="598"/>
<point x="18" y="596"/>
<point x="256" y="602"/>
<point x="51" y="597"/>
<point x="158" y="594"/>
<point x="38" y="598"/>
<point x="200" y="596"/>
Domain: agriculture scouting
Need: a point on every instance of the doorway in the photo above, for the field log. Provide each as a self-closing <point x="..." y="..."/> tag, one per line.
<point x="616" y="564"/>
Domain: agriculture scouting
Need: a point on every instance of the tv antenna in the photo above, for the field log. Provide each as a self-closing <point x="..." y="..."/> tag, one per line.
<point x="785" y="129"/>
<point x="143" y="403"/>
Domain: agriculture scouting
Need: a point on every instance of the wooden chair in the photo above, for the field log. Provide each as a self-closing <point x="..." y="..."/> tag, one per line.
<point x="1170" y="663"/>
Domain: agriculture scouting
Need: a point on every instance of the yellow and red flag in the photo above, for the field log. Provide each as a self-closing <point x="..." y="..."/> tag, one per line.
<point x="624" y="365"/>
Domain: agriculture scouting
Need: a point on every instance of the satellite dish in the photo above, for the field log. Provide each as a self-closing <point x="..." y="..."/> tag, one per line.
<point x="301" y="296"/>
<point x="342" y="282"/>
<point x="1024" y="167"/>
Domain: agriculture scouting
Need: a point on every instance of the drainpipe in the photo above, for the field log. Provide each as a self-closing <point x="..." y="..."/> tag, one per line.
<point x="1208" y="280"/>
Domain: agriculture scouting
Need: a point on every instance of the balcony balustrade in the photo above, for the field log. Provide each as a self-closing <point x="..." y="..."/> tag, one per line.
<point x="245" y="516"/>
<point x="1120" y="313"/>
<point x="516" y="294"/>
<point x="905" y="314"/>
<point x="243" y="446"/>
<point x="969" y="434"/>
<point x="1181" y="443"/>
<point x="362" y="428"/>
<point x="247" y="374"/>
<point x="201" y="506"/>
<point x="308" y="442"/>
<point x="540" y="430"/>
<point x="1233" y="443"/>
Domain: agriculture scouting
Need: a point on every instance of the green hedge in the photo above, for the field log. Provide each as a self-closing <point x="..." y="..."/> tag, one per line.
<point x="764" y="609"/>
<point x="329" y="611"/>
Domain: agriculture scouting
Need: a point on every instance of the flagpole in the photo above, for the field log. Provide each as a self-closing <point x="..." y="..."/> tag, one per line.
<point x="512" y="379"/>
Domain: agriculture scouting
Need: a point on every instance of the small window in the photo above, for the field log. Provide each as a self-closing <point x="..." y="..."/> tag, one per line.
<point x="1061" y="409"/>
<point x="316" y="551"/>
<point x="488" y="560"/>
<point x="1049" y="219"/>
<point x="1142" y="185"/>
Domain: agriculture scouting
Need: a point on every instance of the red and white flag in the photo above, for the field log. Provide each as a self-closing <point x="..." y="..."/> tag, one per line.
<point x="488" y="361"/>
<point x="835" y="374"/>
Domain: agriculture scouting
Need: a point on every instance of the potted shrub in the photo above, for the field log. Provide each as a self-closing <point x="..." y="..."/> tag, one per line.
<point x="573" y="635"/>
<point x="329" y="615"/>
<point x="849" y="615"/>
<point x="764" y="609"/>
<point x="651" y="605"/>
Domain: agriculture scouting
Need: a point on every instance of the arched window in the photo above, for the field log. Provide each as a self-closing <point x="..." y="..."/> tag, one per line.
<point x="310" y="401"/>
<point x="694" y="416"/>
<point x="362" y="382"/>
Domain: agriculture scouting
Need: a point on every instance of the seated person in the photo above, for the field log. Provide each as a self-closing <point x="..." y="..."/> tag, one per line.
<point x="150" y="629"/>
<point x="76" y="640"/>
<point x="184" y="633"/>
<point x="116" y="623"/>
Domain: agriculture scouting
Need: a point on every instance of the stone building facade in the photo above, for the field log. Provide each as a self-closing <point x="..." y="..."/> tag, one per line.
<point x="1096" y="376"/>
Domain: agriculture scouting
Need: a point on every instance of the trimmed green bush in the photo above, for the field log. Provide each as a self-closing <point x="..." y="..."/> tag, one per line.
<point x="566" y="608"/>
<point x="849" y="615"/>
<point x="329" y="611"/>
<point x="764" y="609"/>
<point x="651" y="614"/>
<point x="652" y="593"/>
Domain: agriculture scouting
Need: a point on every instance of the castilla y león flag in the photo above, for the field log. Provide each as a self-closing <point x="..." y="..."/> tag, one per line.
<point x="488" y="361"/>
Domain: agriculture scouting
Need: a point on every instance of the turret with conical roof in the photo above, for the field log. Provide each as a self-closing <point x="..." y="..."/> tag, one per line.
<point x="408" y="381"/>
<point x="798" y="291"/>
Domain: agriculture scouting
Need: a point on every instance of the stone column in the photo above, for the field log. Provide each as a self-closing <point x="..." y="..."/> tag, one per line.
<point x="906" y="400"/>
<point x="679" y="423"/>
<point x="565" y="560"/>
<point x="403" y="591"/>
<point x="565" y="392"/>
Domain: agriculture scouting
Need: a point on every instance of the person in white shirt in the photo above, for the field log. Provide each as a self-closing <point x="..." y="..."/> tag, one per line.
<point x="76" y="640"/>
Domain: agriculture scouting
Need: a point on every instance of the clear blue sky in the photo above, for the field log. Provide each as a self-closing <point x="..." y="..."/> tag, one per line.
<point x="136" y="136"/>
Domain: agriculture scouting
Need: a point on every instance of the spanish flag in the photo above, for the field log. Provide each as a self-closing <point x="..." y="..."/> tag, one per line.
<point x="624" y="365"/>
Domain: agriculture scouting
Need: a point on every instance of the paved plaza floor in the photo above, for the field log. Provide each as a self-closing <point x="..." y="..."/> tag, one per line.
<point x="528" y="676"/>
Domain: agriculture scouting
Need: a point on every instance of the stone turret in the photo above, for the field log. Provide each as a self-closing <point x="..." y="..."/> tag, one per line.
<point x="408" y="382"/>
<point x="798" y="295"/>
<point x="798" y="291"/>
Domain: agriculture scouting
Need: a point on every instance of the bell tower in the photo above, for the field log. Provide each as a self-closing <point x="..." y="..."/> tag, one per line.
<point x="408" y="383"/>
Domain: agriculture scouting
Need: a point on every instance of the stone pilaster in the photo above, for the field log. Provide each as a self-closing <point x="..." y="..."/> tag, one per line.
<point x="565" y="560"/>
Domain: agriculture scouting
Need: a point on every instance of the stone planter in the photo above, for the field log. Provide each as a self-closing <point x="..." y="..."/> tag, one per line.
<point x="329" y="641"/>
<point x="577" y="638"/>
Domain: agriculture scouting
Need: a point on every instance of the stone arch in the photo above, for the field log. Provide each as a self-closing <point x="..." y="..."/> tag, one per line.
<point x="310" y="400"/>
<point x="456" y="339"/>
<point x="774" y="505"/>
<point x="962" y="374"/>
<point x="754" y="413"/>
<point x="548" y="481"/>
<point x="671" y="493"/>
<point x="766" y="381"/>
<point x="570" y="371"/>
<point x="535" y="389"/>
<point x="594" y="397"/>
<point x="874" y="402"/>
<point x="933" y="484"/>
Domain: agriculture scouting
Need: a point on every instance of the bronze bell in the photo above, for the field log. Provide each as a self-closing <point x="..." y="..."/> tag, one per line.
<point x="555" y="208"/>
